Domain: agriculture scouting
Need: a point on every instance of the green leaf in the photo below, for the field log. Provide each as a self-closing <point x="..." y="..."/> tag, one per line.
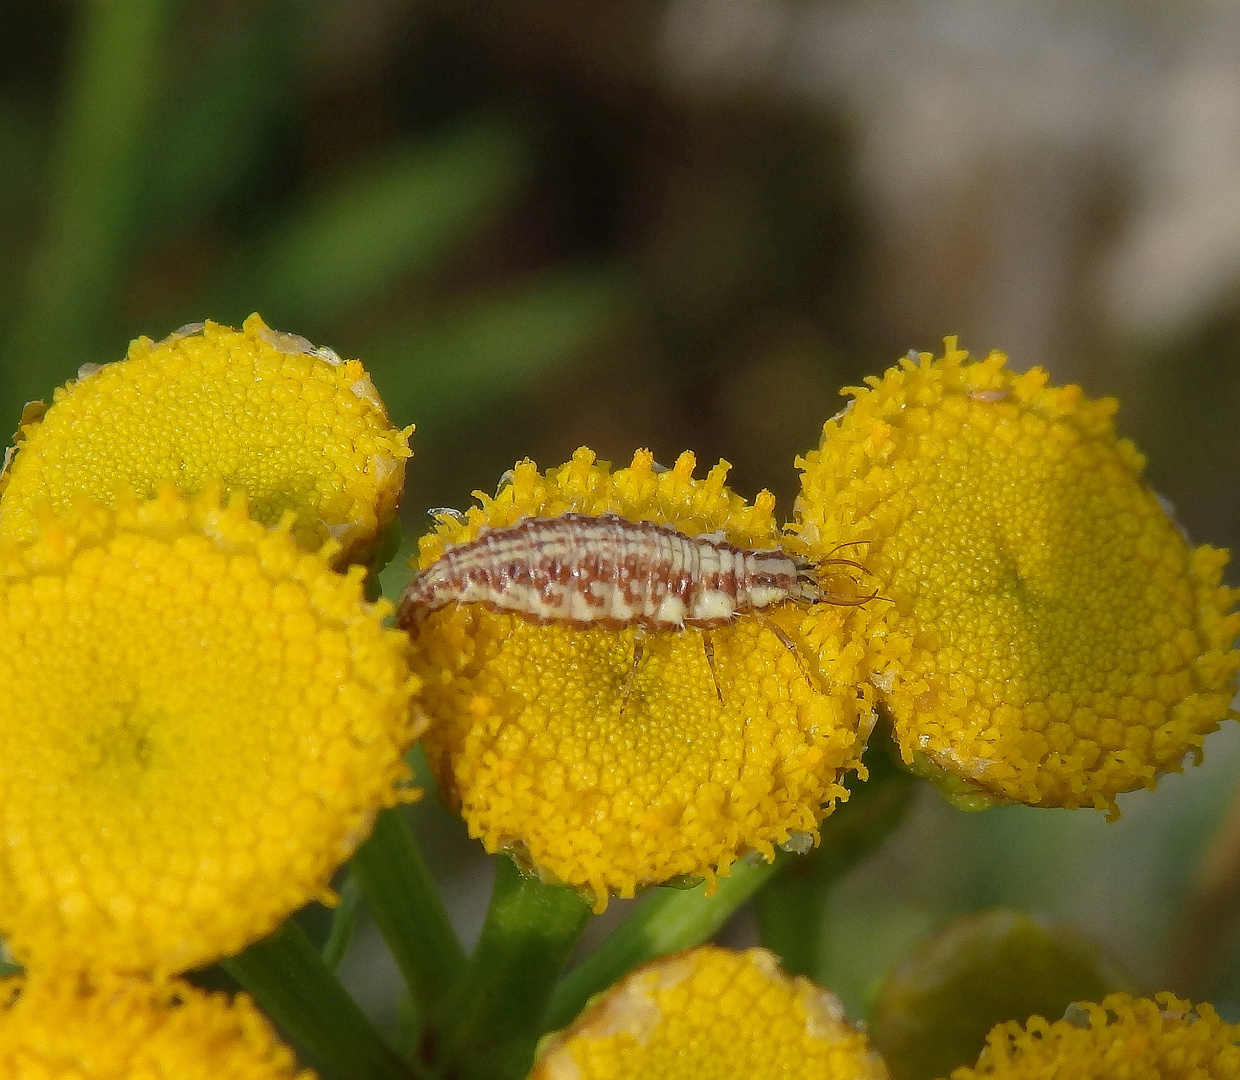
<point x="212" y="130"/>
<point x="7" y="966"/>
<point x="958" y="791"/>
<point x="394" y="578"/>
<point x="434" y="373"/>
<point x="387" y="545"/>
<point x="398" y="215"/>
<point x="22" y="138"/>
<point x="933" y="1013"/>
<point x="112" y="86"/>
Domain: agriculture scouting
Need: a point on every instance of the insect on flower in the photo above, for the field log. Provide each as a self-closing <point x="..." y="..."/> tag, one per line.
<point x="608" y="572"/>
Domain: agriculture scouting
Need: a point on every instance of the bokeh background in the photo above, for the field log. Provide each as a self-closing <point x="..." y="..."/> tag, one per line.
<point x="681" y="224"/>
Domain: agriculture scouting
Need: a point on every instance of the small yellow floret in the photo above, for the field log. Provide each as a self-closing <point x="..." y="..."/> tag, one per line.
<point x="264" y="413"/>
<point x="711" y="1013"/>
<point x="608" y="777"/>
<point x="1053" y="639"/>
<point x="1121" y="1039"/>
<point x="199" y="722"/>
<point x="117" y="1028"/>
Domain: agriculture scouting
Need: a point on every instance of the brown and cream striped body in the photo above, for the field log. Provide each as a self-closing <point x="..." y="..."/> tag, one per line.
<point x="608" y="572"/>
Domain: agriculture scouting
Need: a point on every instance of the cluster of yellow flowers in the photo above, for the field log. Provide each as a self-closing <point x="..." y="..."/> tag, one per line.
<point x="1133" y="1039"/>
<point x="202" y="714"/>
<point x="713" y="1013"/>
<point x="1042" y="632"/>
<point x="110" y="1027"/>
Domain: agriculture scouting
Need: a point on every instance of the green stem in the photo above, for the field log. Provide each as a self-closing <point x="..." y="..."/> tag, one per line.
<point x="111" y="92"/>
<point x="406" y="906"/>
<point x="344" y="922"/>
<point x="668" y="921"/>
<point x="792" y="920"/>
<point x="287" y="977"/>
<point x="497" y="1009"/>
<point x="407" y="1033"/>
<point x="792" y="910"/>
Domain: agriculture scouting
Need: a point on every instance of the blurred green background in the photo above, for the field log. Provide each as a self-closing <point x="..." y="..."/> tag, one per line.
<point x="679" y="224"/>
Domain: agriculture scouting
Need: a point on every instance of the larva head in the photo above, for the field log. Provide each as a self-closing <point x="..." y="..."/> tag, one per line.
<point x="830" y="581"/>
<point x="417" y="601"/>
<point x="808" y="589"/>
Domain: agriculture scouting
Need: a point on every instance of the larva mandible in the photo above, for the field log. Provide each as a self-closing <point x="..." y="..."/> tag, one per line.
<point x="605" y="571"/>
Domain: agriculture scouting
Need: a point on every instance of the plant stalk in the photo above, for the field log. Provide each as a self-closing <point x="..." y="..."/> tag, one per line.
<point x="407" y="908"/>
<point x="498" y="1007"/>
<point x="287" y="977"/>
<point x="668" y="921"/>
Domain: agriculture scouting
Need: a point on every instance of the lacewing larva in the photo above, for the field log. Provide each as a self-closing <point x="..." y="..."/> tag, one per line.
<point x="605" y="571"/>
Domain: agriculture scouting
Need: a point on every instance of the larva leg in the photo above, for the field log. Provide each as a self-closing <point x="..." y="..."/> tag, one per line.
<point x="788" y="644"/>
<point x="639" y="647"/>
<point x="708" y="647"/>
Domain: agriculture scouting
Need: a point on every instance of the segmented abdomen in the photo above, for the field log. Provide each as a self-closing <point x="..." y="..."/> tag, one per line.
<point x="605" y="571"/>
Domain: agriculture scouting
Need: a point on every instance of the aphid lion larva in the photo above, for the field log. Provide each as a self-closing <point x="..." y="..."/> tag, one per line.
<point x="605" y="571"/>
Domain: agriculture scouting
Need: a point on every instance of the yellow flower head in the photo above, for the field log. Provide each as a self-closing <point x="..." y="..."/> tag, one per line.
<point x="608" y="775"/>
<point x="1121" y="1039"/>
<point x="1054" y="638"/>
<point x="117" y="1028"/>
<point x="199" y="722"/>
<point x="709" y="1013"/>
<point x="264" y="413"/>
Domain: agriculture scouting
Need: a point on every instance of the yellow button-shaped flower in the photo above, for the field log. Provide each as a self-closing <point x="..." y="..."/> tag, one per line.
<point x="609" y="775"/>
<point x="1121" y="1039"/>
<point x="199" y="722"/>
<point x="1053" y="639"/>
<point x="709" y="1013"/>
<point x="117" y="1028"/>
<point x="264" y="413"/>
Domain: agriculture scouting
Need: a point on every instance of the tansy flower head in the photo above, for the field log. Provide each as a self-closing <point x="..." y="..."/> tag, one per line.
<point x="1060" y="640"/>
<point x="610" y="775"/>
<point x="935" y="1010"/>
<point x="118" y="1028"/>
<point x="710" y="1013"/>
<point x="1121" y="1039"/>
<point x="265" y="413"/>
<point x="199" y="722"/>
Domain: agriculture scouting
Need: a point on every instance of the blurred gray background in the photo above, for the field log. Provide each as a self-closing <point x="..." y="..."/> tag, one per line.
<point x="681" y="224"/>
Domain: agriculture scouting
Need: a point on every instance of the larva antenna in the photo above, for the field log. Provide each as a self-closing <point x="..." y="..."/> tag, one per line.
<point x="809" y="578"/>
